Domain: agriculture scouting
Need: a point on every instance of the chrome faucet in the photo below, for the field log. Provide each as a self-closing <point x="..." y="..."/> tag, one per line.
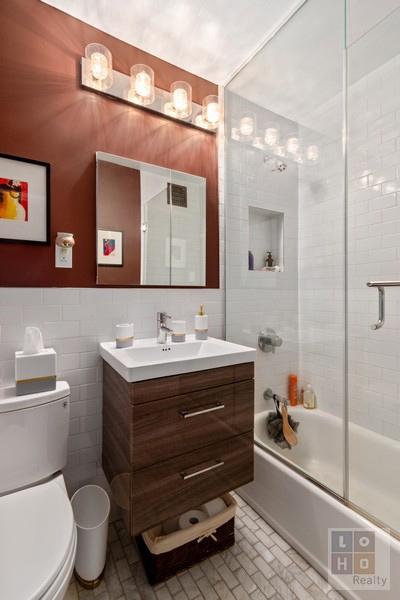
<point x="162" y="329"/>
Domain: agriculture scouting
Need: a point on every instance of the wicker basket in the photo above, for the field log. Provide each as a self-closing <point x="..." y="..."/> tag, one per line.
<point x="165" y="555"/>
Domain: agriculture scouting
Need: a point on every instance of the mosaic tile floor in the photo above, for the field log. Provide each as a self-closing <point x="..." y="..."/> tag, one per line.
<point x="260" y="566"/>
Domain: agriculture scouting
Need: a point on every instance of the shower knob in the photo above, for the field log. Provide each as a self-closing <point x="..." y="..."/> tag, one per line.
<point x="268" y="340"/>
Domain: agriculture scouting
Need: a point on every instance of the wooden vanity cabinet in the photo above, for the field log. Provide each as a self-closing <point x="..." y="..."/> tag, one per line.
<point x="172" y="443"/>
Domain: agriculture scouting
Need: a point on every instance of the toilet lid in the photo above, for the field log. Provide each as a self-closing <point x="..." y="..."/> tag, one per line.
<point x="36" y="534"/>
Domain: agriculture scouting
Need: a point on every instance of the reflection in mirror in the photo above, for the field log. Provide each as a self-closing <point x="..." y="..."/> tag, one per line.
<point x="151" y="224"/>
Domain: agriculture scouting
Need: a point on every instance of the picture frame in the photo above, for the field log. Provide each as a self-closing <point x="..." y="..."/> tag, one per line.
<point x="109" y="248"/>
<point x="24" y="200"/>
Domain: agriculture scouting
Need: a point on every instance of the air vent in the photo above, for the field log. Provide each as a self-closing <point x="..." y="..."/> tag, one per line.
<point x="178" y="193"/>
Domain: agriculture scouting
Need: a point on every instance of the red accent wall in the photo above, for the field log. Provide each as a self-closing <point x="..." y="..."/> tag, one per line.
<point x="45" y="115"/>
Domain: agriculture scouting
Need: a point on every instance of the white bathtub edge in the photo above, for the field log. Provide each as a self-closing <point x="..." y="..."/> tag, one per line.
<point x="317" y="505"/>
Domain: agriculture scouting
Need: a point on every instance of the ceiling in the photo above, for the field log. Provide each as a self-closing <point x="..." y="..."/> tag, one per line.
<point x="210" y="38"/>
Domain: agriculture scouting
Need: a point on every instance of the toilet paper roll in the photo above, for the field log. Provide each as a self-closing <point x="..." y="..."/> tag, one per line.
<point x="213" y="507"/>
<point x="190" y="518"/>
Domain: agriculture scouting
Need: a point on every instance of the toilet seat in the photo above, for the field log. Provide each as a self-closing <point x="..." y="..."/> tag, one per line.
<point x="37" y="541"/>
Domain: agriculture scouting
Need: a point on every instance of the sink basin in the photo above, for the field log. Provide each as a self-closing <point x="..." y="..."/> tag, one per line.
<point x="147" y="359"/>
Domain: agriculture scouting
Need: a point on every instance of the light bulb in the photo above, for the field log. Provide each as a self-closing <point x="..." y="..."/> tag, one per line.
<point x="181" y="96"/>
<point x="312" y="153"/>
<point x="99" y="73"/>
<point x="246" y="126"/>
<point x="99" y="66"/>
<point x="211" y="110"/>
<point x="180" y="99"/>
<point x="292" y="145"/>
<point x="142" y="85"/>
<point x="271" y="136"/>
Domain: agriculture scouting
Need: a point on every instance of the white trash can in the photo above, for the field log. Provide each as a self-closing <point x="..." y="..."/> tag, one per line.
<point x="91" y="506"/>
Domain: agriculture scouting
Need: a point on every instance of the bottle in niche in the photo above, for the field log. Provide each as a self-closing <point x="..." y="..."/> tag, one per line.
<point x="309" y="397"/>
<point x="251" y="261"/>
<point x="269" y="260"/>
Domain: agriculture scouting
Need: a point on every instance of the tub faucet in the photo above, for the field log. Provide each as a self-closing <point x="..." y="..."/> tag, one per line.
<point x="162" y="329"/>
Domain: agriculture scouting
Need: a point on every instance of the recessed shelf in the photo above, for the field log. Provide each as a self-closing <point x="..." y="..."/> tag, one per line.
<point x="265" y="236"/>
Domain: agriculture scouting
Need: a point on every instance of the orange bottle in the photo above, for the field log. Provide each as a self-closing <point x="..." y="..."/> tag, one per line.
<point x="292" y="389"/>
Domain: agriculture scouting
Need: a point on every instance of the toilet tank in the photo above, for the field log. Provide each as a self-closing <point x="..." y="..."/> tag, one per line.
<point x="33" y="435"/>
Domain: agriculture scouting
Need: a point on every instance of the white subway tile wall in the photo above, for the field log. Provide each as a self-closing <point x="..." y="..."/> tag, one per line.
<point x="74" y="321"/>
<point x="259" y="299"/>
<point x="374" y="238"/>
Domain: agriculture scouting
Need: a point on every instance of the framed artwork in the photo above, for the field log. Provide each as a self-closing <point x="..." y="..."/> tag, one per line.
<point x="24" y="200"/>
<point x="109" y="248"/>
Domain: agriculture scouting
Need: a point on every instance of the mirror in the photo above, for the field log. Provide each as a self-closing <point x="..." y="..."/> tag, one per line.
<point x="151" y="224"/>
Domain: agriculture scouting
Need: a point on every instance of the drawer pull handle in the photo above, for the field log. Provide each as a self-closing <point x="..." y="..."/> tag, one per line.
<point x="218" y="463"/>
<point x="186" y="414"/>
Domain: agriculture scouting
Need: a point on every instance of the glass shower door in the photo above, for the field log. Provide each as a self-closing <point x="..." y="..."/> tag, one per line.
<point x="374" y="255"/>
<point x="285" y="228"/>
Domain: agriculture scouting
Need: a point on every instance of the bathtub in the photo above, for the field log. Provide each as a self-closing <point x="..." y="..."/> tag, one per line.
<point x="302" y="511"/>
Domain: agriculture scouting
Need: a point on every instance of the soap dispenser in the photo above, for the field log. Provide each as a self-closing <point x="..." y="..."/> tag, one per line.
<point x="309" y="397"/>
<point x="201" y="324"/>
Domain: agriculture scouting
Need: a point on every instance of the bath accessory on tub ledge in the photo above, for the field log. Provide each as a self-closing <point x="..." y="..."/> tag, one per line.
<point x="280" y="425"/>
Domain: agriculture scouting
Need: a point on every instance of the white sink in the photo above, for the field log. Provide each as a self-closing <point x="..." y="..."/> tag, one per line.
<point x="147" y="359"/>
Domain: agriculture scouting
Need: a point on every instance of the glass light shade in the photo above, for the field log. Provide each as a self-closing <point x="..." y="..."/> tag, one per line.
<point x="142" y="85"/>
<point x="298" y="158"/>
<point x="293" y="145"/>
<point x="312" y="153"/>
<point x="99" y="70"/>
<point x="169" y="110"/>
<point x="271" y="136"/>
<point x="279" y="151"/>
<point x="181" y="99"/>
<point x="258" y="142"/>
<point x="211" y="110"/>
<point x="235" y="133"/>
<point x="247" y="125"/>
<point x="200" y="121"/>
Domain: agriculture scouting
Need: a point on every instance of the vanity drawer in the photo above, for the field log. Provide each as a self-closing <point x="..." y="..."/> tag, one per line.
<point x="184" y="482"/>
<point x="172" y="426"/>
<point x="176" y="385"/>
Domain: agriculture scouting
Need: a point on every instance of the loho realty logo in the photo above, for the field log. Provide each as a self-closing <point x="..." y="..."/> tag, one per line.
<point x="359" y="560"/>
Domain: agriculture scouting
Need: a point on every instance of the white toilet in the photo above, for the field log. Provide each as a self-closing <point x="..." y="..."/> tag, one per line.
<point x="37" y="528"/>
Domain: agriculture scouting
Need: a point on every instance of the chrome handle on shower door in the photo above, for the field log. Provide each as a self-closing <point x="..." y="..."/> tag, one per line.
<point x="381" y="291"/>
<point x="381" y="319"/>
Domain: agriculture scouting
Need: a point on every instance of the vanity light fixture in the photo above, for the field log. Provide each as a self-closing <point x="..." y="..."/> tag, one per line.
<point x="293" y="145"/>
<point x="99" y="66"/>
<point x="312" y="153"/>
<point x="271" y="136"/>
<point x="280" y="151"/>
<point x="138" y="89"/>
<point x="142" y="85"/>
<point x="181" y="99"/>
<point x="211" y="110"/>
<point x="258" y="142"/>
<point x="246" y="125"/>
<point x="235" y="134"/>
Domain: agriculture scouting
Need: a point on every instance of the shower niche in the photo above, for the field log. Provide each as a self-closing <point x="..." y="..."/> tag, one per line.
<point x="265" y="240"/>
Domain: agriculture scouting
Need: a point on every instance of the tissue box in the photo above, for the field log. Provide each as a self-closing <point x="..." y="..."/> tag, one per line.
<point x="165" y="555"/>
<point x="35" y="372"/>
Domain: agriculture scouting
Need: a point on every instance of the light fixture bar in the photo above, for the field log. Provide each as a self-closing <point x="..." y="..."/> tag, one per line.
<point x="119" y="90"/>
